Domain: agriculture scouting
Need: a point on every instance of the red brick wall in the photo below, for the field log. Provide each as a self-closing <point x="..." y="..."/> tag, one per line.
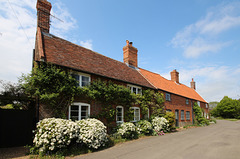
<point x="179" y="103"/>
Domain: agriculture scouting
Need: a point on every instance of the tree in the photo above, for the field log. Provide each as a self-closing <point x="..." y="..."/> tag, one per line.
<point x="12" y="96"/>
<point x="54" y="87"/>
<point x="228" y="108"/>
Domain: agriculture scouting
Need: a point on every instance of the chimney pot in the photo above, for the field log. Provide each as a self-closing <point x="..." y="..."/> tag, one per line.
<point x="193" y="84"/>
<point x="130" y="54"/>
<point x="175" y="76"/>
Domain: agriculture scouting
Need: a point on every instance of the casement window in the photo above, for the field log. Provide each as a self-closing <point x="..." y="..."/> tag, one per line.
<point x="206" y="105"/>
<point x="182" y="115"/>
<point x="119" y="114"/>
<point x="168" y="97"/>
<point x="136" y="114"/>
<point x="82" y="79"/>
<point x="187" y="115"/>
<point x="79" y="111"/>
<point x="187" y="101"/>
<point x="198" y="102"/>
<point x="135" y="89"/>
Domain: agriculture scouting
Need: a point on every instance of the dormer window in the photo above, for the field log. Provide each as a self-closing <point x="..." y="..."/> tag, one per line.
<point x="135" y="89"/>
<point x="82" y="79"/>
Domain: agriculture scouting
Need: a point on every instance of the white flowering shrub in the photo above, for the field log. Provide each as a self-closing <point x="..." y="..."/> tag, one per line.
<point x="53" y="133"/>
<point x="160" y="124"/>
<point x="144" y="126"/>
<point x="92" y="133"/>
<point x="128" y="130"/>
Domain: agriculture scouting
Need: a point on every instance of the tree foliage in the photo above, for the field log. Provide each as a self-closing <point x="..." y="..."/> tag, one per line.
<point x="227" y="108"/>
<point x="53" y="86"/>
<point x="12" y="96"/>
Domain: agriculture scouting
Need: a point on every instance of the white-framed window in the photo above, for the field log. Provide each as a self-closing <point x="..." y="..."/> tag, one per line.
<point x="168" y="97"/>
<point x="206" y="105"/>
<point x="198" y="102"/>
<point x="119" y="114"/>
<point x="79" y="111"/>
<point x="136" y="114"/>
<point x="82" y="79"/>
<point x="187" y="101"/>
<point x="147" y="115"/>
<point x="187" y="115"/>
<point x="135" y="89"/>
<point x="182" y="115"/>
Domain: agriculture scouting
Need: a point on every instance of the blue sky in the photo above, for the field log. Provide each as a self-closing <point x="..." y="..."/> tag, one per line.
<point x="199" y="38"/>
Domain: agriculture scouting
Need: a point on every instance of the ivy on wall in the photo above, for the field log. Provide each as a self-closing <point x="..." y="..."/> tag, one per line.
<point x="56" y="88"/>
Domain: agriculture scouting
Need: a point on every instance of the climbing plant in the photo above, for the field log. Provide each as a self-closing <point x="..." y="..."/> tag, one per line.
<point x="198" y="113"/>
<point x="151" y="100"/>
<point x="54" y="87"/>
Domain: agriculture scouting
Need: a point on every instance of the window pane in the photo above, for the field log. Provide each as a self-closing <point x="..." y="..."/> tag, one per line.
<point x="85" y="81"/>
<point x="74" y="112"/>
<point x="182" y="114"/>
<point x="77" y="79"/>
<point x="136" y="114"/>
<point x="119" y="114"/>
<point x="84" y="112"/>
<point x="74" y="107"/>
<point x="134" y="90"/>
<point x="139" y="91"/>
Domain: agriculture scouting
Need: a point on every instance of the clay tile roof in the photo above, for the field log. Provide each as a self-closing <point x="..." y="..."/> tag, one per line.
<point x="64" y="53"/>
<point x="170" y="86"/>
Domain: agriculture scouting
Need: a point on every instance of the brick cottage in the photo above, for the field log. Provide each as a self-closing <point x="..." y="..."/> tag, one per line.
<point x="87" y="65"/>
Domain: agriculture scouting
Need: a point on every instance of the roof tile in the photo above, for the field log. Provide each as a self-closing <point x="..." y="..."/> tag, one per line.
<point x="170" y="86"/>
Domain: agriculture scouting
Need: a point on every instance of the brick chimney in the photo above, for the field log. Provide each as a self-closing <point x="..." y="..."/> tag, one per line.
<point x="43" y="15"/>
<point x="130" y="54"/>
<point x="175" y="76"/>
<point x="193" y="84"/>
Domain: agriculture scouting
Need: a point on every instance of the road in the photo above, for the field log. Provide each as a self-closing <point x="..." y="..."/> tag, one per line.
<point x="217" y="141"/>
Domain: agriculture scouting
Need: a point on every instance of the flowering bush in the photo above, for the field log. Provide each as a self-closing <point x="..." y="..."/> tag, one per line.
<point x="160" y="124"/>
<point x="128" y="130"/>
<point x="53" y="133"/>
<point x="92" y="132"/>
<point x="144" y="126"/>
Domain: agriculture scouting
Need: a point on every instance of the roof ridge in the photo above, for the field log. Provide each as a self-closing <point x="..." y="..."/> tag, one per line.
<point x="82" y="47"/>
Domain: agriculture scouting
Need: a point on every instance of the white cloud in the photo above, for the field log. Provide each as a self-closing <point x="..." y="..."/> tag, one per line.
<point x="203" y="36"/>
<point x="61" y="20"/>
<point x="200" y="46"/>
<point x="16" y="45"/>
<point x="87" y="44"/>
<point x="212" y="82"/>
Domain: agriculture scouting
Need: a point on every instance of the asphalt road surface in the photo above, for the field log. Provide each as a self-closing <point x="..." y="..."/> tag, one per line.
<point x="217" y="141"/>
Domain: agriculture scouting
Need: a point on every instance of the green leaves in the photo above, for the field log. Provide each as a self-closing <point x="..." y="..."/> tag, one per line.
<point x="227" y="108"/>
<point x="53" y="86"/>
